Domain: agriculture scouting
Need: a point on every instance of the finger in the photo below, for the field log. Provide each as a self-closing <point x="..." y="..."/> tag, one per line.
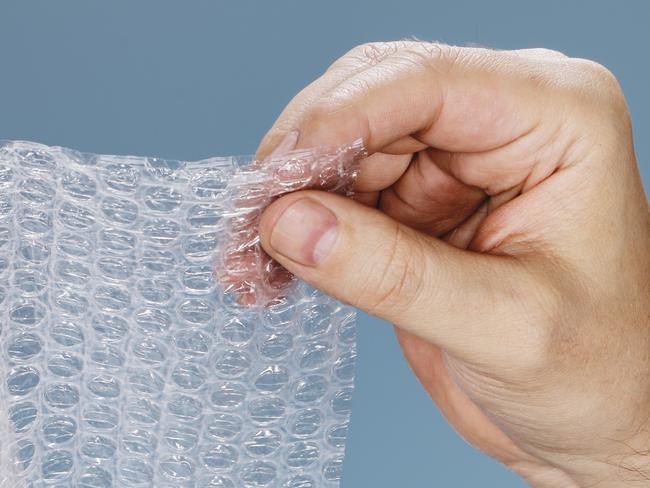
<point x="353" y="62"/>
<point x="482" y="110"/>
<point x="380" y="170"/>
<point x="244" y="270"/>
<point x="429" y="199"/>
<point x="465" y="302"/>
<point x="455" y="99"/>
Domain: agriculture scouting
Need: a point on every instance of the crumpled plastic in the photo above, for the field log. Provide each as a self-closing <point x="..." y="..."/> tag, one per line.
<point x="148" y="341"/>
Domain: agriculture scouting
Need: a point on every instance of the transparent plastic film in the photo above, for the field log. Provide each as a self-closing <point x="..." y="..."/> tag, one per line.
<point x="246" y="271"/>
<point x="148" y="341"/>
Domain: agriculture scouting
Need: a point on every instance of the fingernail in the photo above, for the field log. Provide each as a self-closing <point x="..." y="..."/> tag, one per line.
<point x="287" y="144"/>
<point x="305" y="232"/>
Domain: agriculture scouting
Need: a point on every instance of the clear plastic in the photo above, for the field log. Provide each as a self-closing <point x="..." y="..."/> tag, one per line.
<point x="130" y="353"/>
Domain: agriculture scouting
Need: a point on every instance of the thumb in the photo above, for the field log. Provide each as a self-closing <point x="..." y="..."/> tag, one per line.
<point x="462" y="301"/>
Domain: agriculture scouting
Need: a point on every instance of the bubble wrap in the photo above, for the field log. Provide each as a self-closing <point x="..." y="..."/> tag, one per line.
<point x="125" y="362"/>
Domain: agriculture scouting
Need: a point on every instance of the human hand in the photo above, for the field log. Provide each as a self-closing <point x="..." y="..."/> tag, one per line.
<point x="501" y="225"/>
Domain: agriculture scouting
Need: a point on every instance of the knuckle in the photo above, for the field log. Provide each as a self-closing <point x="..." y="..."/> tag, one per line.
<point x="422" y="52"/>
<point x="326" y="107"/>
<point x="599" y="75"/>
<point x="368" y="54"/>
<point x="543" y="53"/>
<point x="437" y="56"/>
<point x="599" y="83"/>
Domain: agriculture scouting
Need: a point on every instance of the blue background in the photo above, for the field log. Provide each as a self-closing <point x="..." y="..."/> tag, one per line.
<point x="190" y="79"/>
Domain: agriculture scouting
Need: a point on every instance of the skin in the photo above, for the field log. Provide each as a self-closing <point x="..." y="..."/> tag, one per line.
<point x="500" y="223"/>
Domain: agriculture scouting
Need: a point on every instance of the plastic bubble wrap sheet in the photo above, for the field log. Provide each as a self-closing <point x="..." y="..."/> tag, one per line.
<point x="124" y="361"/>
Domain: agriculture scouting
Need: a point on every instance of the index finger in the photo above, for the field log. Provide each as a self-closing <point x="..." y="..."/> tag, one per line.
<point x="419" y="95"/>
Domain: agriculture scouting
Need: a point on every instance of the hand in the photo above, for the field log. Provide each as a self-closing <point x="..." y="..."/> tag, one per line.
<point x="501" y="225"/>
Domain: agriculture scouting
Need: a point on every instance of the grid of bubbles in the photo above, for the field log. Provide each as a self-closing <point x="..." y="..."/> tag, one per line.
<point x="123" y="363"/>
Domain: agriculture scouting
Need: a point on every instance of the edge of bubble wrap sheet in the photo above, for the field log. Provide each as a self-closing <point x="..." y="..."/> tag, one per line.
<point x="123" y="363"/>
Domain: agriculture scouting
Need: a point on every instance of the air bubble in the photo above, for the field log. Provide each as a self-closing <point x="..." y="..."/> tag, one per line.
<point x="192" y="343"/>
<point x="67" y="334"/>
<point x="70" y="301"/>
<point x="272" y="379"/>
<point x="162" y="232"/>
<point x="117" y="240"/>
<point x="61" y="396"/>
<point x="24" y="346"/>
<point x="196" y="246"/>
<point x="177" y="468"/>
<point x="337" y="434"/>
<point x="305" y="422"/>
<point x="30" y="218"/>
<point x="228" y="395"/>
<point x="119" y="211"/>
<point x="75" y="216"/>
<point x="181" y="438"/>
<point x="189" y="376"/>
<point x="224" y="426"/>
<point x="72" y="272"/>
<point x="344" y="366"/>
<point x="333" y="469"/>
<point x="315" y="354"/>
<point x="302" y="454"/>
<point x="199" y="278"/>
<point x="109" y="327"/>
<point x="162" y="199"/>
<point x="155" y="290"/>
<point x="342" y="401"/>
<point x="153" y="321"/>
<point x="158" y="261"/>
<point x="27" y="313"/>
<point x="95" y="477"/>
<point x="34" y="251"/>
<point x="300" y="481"/>
<point x="185" y="408"/>
<point x="197" y="311"/>
<point x="78" y="185"/>
<point x="22" y="380"/>
<point x="74" y="244"/>
<point x="98" y="447"/>
<point x="30" y="281"/>
<point x="99" y="416"/>
<point x="108" y="357"/>
<point x="59" y="429"/>
<point x="219" y="457"/>
<point x="238" y="330"/>
<point x="143" y="411"/>
<point x="23" y="453"/>
<point x="276" y="346"/>
<point x="134" y="471"/>
<point x="57" y="465"/>
<point x="146" y="382"/>
<point x="210" y="183"/>
<point x="36" y="190"/>
<point x="104" y="386"/>
<point x="112" y="298"/>
<point x="64" y="364"/>
<point x="149" y="350"/>
<point x="266" y="411"/>
<point x="22" y="416"/>
<point x="232" y="363"/>
<point x="121" y="177"/>
<point x="263" y="442"/>
<point x="259" y="474"/>
<point x="139" y="442"/>
<point x="204" y="216"/>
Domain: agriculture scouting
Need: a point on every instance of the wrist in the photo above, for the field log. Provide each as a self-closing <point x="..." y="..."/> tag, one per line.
<point x="620" y="470"/>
